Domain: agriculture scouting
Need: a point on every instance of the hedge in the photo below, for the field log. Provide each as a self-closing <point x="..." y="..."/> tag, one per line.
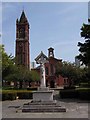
<point x="69" y="87"/>
<point x="11" y="95"/>
<point x="13" y="88"/>
<point x="83" y="93"/>
<point x="32" y="88"/>
<point x="68" y="93"/>
<point x="24" y="95"/>
<point x="84" y="85"/>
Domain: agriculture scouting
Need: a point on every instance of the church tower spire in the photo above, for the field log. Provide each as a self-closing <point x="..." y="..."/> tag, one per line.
<point x="22" y="41"/>
<point x="23" y="18"/>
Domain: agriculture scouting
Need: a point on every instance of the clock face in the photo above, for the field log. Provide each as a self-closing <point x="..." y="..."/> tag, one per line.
<point x="21" y="33"/>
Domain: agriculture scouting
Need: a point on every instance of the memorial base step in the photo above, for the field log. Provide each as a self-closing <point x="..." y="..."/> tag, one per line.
<point x="43" y="107"/>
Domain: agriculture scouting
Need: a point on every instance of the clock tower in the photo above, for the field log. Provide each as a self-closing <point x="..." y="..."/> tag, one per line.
<point x="22" y="41"/>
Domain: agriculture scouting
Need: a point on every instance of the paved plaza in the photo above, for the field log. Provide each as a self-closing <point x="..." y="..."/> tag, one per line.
<point x="74" y="109"/>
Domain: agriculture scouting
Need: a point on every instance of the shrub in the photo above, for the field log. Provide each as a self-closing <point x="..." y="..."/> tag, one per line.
<point x="4" y="96"/>
<point x="81" y="93"/>
<point x="84" y="84"/>
<point x="9" y="96"/>
<point x="7" y="88"/>
<point x="13" y="88"/>
<point x="84" y="94"/>
<point x="24" y="95"/>
<point x="69" y="93"/>
<point x="69" y="87"/>
<point x="12" y="94"/>
<point x="32" y="88"/>
<point x="0" y="96"/>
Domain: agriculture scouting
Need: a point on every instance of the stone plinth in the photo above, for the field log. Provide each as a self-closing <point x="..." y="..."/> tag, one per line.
<point x="43" y="95"/>
<point x="43" y="102"/>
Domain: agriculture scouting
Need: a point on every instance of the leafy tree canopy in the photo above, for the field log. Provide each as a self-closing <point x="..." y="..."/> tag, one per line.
<point x="6" y="61"/>
<point x="84" y="48"/>
<point x="69" y="70"/>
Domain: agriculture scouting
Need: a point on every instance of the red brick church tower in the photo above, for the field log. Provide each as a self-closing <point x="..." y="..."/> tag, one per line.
<point x="22" y="41"/>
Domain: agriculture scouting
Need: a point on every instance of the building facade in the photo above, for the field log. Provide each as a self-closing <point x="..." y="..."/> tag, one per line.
<point x="52" y="80"/>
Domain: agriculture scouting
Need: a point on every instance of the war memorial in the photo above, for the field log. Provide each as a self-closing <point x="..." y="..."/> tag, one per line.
<point x="43" y="98"/>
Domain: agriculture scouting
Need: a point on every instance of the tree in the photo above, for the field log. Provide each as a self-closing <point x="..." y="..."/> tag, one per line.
<point x="84" y="56"/>
<point x="69" y="70"/>
<point x="84" y="48"/>
<point x="35" y="76"/>
<point x="7" y="63"/>
<point x="16" y="73"/>
<point x="21" y="75"/>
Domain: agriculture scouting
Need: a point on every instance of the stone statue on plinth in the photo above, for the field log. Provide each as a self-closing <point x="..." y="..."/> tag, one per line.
<point x="43" y="97"/>
<point x="42" y="59"/>
<point x="43" y="93"/>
